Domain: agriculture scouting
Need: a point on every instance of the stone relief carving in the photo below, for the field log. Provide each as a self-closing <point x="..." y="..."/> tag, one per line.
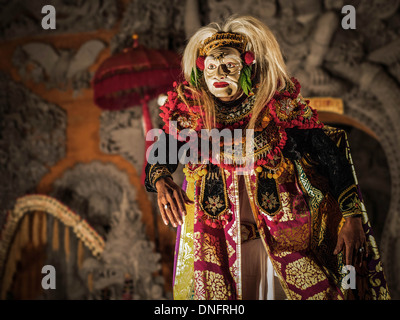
<point x="60" y="68"/>
<point x="159" y="24"/>
<point x="103" y="196"/>
<point x="126" y="265"/>
<point x="94" y="191"/>
<point x="380" y="9"/>
<point x="21" y="18"/>
<point x="32" y="139"/>
<point x="389" y="56"/>
<point x="121" y="132"/>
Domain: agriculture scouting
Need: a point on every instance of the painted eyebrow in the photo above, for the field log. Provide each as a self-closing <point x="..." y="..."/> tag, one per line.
<point x="232" y="56"/>
<point x="229" y="56"/>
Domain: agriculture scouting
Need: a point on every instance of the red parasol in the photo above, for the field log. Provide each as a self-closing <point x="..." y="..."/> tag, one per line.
<point x="135" y="76"/>
<point x="124" y="79"/>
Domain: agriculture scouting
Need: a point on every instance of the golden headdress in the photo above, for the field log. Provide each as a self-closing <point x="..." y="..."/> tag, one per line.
<point x="223" y="39"/>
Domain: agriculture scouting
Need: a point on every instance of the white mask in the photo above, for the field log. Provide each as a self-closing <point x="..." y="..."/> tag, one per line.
<point x="222" y="69"/>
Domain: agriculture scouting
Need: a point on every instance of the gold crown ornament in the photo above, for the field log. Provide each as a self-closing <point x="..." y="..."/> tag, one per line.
<point x="223" y="39"/>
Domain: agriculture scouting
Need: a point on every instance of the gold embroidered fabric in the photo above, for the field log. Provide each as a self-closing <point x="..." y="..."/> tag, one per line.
<point x="293" y="239"/>
<point x="304" y="273"/>
<point x="209" y="250"/>
<point x="218" y="288"/>
<point x="184" y="281"/>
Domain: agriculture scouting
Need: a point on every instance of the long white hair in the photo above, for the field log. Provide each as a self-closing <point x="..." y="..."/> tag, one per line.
<point x="270" y="69"/>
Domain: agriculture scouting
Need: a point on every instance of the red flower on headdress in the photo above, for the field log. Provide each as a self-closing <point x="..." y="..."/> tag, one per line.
<point x="248" y="57"/>
<point x="200" y="62"/>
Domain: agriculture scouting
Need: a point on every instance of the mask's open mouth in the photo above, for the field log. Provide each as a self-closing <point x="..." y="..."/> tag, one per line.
<point x="220" y="84"/>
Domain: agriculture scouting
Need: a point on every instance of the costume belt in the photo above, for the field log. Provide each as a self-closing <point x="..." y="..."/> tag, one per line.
<point x="248" y="231"/>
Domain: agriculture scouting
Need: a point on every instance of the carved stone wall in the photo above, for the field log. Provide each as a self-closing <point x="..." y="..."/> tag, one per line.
<point x="103" y="196"/>
<point x="21" y="18"/>
<point x="159" y="24"/>
<point x="32" y="139"/>
<point x="60" y="69"/>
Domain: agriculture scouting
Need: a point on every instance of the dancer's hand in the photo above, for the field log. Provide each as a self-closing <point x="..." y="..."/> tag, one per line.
<point x="171" y="201"/>
<point x="352" y="240"/>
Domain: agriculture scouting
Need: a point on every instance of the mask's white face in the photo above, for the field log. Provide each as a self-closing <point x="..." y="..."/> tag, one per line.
<point x="222" y="71"/>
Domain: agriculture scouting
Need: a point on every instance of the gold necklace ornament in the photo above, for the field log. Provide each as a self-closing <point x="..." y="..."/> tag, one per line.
<point x="194" y="173"/>
<point x="273" y="172"/>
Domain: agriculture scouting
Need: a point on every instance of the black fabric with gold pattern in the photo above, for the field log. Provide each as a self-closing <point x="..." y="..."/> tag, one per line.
<point x="213" y="197"/>
<point x="349" y="202"/>
<point x="155" y="173"/>
<point x="267" y="195"/>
